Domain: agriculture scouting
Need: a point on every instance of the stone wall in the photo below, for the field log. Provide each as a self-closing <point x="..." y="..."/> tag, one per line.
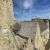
<point x="10" y="41"/>
<point x="40" y="38"/>
<point x="28" y="29"/>
<point x="7" y="40"/>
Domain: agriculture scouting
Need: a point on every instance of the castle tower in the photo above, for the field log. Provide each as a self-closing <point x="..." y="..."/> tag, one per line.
<point x="42" y="38"/>
<point x="0" y="12"/>
<point x="37" y="37"/>
<point x="7" y="40"/>
<point x="47" y="24"/>
<point x="10" y="14"/>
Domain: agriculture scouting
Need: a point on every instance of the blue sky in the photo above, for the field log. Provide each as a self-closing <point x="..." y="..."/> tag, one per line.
<point x="28" y="9"/>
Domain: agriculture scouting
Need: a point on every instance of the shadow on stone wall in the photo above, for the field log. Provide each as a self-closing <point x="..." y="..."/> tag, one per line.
<point x="16" y="28"/>
<point x="47" y="45"/>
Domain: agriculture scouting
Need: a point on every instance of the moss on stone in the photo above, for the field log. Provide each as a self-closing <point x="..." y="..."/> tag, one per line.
<point x="0" y="26"/>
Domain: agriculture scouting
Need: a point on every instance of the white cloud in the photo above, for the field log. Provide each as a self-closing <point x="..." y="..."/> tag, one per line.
<point x="27" y="4"/>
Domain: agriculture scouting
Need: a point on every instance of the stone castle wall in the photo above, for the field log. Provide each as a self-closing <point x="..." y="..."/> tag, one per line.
<point x="7" y="40"/>
<point x="10" y="41"/>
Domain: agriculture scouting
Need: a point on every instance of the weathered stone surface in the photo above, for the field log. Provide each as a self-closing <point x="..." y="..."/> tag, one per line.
<point x="31" y="30"/>
<point x="41" y="39"/>
<point x="7" y="40"/>
<point x="28" y="29"/>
